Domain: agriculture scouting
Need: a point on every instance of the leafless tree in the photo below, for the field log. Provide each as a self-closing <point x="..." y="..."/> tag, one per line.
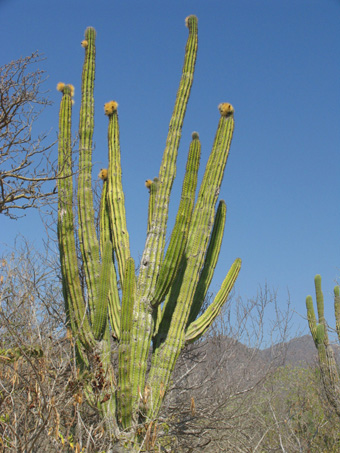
<point x="40" y="395"/>
<point x="25" y="165"/>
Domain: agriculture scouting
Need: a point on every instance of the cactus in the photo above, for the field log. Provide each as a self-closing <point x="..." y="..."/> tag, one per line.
<point x="318" y="329"/>
<point x="157" y="311"/>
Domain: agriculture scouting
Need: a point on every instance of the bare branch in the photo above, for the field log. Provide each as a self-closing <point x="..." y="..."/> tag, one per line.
<point x="25" y="158"/>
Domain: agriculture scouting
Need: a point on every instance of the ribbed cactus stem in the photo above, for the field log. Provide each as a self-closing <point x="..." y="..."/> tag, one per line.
<point x="116" y="200"/>
<point x="152" y="198"/>
<point x="320" y="334"/>
<point x="75" y="308"/>
<point x="319" y="298"/>
<point x="124" y="389"/>
<point x="114" y="305"/>
<point x="202" y="324"/>
<point x="106" y="235"/>
<point x="180" y="231"/>
<point x="154" y="247"/>
<point x="104" y="218"/>
<point x="210" y="261"/>
<point x="101" y="302"/>
<point x="87" y="233"/>
<point x="311" y="317"/>
<point x="201" y="225"/>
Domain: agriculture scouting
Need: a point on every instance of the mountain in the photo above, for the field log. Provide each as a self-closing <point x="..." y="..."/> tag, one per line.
<point x="299" y="351"/>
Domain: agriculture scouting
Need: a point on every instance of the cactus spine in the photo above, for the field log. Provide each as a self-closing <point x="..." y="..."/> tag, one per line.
<point x="318" y="329"/>
<point x="161" y="305"/>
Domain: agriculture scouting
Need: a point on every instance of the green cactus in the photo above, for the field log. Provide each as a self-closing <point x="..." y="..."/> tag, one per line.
<point x="157" y="311"/>
<point x="318" y="329"/>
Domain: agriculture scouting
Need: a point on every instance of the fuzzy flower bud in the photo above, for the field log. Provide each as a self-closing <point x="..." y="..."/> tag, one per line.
<point x="226" y="109"/>
<point x="110" y="107"/>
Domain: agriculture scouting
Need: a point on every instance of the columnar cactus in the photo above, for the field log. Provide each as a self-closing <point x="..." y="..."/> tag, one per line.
<point x="328" y="367"/>
<point x="157" y="311"/>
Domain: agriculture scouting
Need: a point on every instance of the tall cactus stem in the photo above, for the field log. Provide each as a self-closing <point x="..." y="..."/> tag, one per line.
<point x="311" y="318"/>
<point x="155" y="242"/>
<point x="106" y="235"/>
<point x="152" y="198"/>
<point x="167" y="351"/>
<point x="101" y="302"/>
<point x="75" y="308"/>
<point x="180" y="231"/>
<point x="87" y="233"/>
<point x="116" y="200"/>
<point x="319" y="298"/>
<point x="125" y="400"/>
<point x="210" y="261"/>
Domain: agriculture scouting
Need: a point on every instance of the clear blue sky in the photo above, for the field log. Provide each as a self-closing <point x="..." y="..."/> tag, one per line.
<point x="277" y="62"/>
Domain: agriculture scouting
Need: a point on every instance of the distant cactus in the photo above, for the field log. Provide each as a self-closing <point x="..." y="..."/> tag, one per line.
<point x="161" y="305"/>
<point x="318" y="329"/>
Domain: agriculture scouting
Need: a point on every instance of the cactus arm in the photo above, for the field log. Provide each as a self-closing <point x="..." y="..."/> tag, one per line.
<point x="104" y="218"/>
<point x="124" y="389"/>
<point x="320" y="306"/>
<point x="319" y="299"/>
<point x="105" y="235"/>
<point x="154" y="247"/>
<point x="210" y="261"/>
<point x="180" y="231"/>
<point x="87" y="233"/>
<point x="152" y="199"/>
<point x="114" y="305"/>
<point x="65" y="211"/>
<point x="311" y="318"/>
<point x="74" y="304"/>
<point x="167" y="171"/>
<point x="320" y="334"/>
<point x="155" y="241"/>
<point x="202" y="324"/>
<point x="164" y="318"/>
<point x="116" y="201"/>
<point x="101" y="302"/>
<point x="167" y="351"/>
<point x="337" y="309"/>
<point x="313" y="325"/>
<point x="202" y="216"/>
